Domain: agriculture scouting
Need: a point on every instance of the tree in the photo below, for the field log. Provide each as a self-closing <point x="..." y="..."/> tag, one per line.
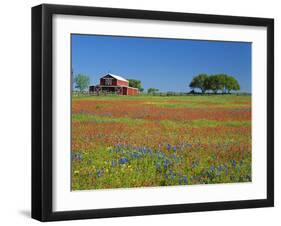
<point x="135" y="84"/>
<point x="214" y="83"/>
<point x="82" y="82"/>
<point x="222" y="80"/>
<point x="152" y="90"/>
<point x="231" y="84"/>
<point x="200" y="81"/>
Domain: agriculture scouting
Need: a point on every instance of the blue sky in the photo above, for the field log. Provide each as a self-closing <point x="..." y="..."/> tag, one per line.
<point x="166" y="64"/>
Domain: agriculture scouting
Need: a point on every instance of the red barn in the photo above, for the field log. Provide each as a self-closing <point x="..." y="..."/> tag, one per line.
<point x="114" y="84"/>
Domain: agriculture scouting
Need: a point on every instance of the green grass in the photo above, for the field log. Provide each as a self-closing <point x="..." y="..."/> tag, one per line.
<point x="105" y="119"/>
<point x="199" y="104"/>
<point x="204" y="123"/>
<point x="218" y="99"/>
<point x="169" y="123"/>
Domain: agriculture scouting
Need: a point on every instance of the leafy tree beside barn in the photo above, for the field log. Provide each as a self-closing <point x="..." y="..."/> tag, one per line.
<point x="135" y="84"/>
<point x="81" y="82"/>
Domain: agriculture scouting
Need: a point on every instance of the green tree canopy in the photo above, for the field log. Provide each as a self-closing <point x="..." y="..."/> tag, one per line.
<point x="222" y="80"/>
<point x="135" y="84"/>
<point x="231" y="84"/>
<point x="200" y="81"/>
<point x="152" y="90"/>
<point x="215" y="82"/>
<point x="82" y="82"/>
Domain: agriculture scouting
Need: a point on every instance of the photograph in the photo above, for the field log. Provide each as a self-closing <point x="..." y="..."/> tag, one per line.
<point x="141" y="112"/>
<point x="149" y="112"/>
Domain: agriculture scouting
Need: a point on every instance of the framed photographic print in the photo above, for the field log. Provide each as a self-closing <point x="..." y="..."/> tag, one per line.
<point x="145" y="112"/>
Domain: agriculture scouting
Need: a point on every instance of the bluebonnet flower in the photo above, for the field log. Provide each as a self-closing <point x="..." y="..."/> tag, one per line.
<point x="220" y="168"/>
<point x="99" y="173"/>
<point x="143" y="150"/>
<point x="175" y="148"/>
<point x="212" y="168"/>
<point x="168" y="147"/>
<point x="166" y="163"/>
<point x="233" y="162"/>
<point x="123" y="160"/>
<point x="185" y="180"/>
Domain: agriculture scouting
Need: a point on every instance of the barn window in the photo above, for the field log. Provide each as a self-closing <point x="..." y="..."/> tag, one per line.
<point x="108" y="82"/>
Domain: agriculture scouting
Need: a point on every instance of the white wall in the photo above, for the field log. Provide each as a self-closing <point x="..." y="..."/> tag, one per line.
<point x="15" y="111"/>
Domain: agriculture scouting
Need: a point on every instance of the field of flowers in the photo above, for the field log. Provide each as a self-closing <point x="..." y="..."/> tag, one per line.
<point x="139" y="141"/>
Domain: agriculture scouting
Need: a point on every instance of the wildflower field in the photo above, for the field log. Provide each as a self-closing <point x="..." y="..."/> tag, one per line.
<point x="140" y="141"/>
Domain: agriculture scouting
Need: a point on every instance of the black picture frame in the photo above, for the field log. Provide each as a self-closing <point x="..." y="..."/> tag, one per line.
<point x="42" y="111"/>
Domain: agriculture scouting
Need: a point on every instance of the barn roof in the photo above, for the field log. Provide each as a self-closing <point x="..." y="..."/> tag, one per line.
<point x="117" y="77"/>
